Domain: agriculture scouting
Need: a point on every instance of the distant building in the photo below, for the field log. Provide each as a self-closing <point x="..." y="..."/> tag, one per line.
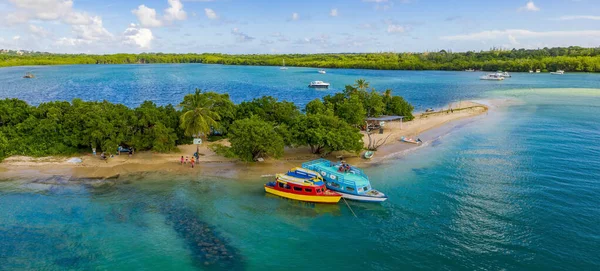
<point x="19" y="53"/>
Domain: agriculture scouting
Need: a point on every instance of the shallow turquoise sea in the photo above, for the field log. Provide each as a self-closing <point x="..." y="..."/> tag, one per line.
<point x="517" y="189"/>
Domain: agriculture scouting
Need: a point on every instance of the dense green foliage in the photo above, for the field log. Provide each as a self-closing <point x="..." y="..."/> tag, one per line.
<point x="252" y="138"/>
<point x="258" y="128"/>
<point x="325" y="133"/>
<point x="570" y="59"/>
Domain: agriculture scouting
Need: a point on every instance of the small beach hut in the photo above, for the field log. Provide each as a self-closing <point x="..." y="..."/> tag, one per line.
<point x="379" y="123"/>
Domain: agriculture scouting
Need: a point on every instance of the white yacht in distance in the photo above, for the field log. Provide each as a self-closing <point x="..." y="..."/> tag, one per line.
<point x="492" y="76"/>
<point x="469" y="70"/>
<point x="559" y="72"/>
<point x="503" y="74"/>
<point x="318" y="84"/>
<point x="283" y="67"/>
<point x="321" y="71"/>
<point x="530" y="71"/>
<point x="538" y="71"/>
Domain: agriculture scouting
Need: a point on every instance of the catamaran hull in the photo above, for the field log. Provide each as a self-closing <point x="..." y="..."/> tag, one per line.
<point x="362" y="198"/>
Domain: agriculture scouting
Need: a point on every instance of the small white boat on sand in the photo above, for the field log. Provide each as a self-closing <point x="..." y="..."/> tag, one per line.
<point x="559" y="72"/>
<point x="492" y="77"/>
<point x="318" y="84"/>
<point x="410" y="140"/>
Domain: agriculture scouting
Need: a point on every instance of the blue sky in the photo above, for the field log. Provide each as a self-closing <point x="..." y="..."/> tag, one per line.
<point x="311" y="26"/>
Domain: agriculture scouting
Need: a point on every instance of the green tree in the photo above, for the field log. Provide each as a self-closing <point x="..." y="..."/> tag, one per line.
<point x="373" y="104"/>
<point x="325" y="134"/>
<point x="397" y="106"/>
<point x="253" y="138"/>
<point x="361" y="84"/>
<point x="352" y="111"/>
<point x="3" y="146"/>
<point x="198" y="118"/>
<point x="268" y="109"/>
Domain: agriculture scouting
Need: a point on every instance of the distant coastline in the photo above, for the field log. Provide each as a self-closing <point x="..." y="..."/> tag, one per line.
<point x="569" y="59"/>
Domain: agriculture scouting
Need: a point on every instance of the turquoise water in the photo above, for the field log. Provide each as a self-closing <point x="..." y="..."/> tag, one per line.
<point x="518" y="189"/>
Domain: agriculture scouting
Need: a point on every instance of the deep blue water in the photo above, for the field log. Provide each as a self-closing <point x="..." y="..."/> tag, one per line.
<point x="517" y="189"/>
<point x="168" y="83"/>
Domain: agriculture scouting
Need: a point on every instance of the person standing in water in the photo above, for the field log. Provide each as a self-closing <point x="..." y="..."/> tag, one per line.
<point x="182" y="160"/>
<point x="192" y="162"/>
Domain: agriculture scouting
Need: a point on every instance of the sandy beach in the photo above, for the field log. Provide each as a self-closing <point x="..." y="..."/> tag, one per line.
<point x="212" y="164"/>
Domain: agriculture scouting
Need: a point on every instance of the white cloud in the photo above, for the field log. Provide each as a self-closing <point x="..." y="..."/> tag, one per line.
<point x="295" y="16"/>
<point x="578" y="17"/>
<point x="137" y="36"/>
<point x="394" y="28"/>
<point x="93" y="31"/>
<point x="16" y="37"/>
<point x="520" y="33"/>
<point x="240" y="36"/>
<point x="76" y="18"/>
<point x="44" y="9"/>
<point x="530" y="6"/>
<point x="64" y="41"/>
<point x="175" y="11"/>
<point x="146" y="16"/>
<point x="38" y="30"/>
<point x="333" y="12"/>
<point x="211" y="14"/>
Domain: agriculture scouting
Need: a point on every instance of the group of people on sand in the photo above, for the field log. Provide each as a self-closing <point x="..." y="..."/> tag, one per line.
<point x="192" y="161"/>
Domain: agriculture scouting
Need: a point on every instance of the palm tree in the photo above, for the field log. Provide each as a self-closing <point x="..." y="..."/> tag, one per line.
<point x="361" y="84"/>
<point x="197" y="118"/>
<point x="388" y="93"/>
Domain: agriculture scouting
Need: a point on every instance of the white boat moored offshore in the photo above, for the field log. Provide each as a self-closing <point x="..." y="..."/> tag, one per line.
<point x="492" y="77"/>
<point x="322" y="71"/>
<point x="503" y="74"/>
<point x="469" y="70"/>
<point x="530" y="71"/>
<point x="559" y="72"/>
<point x="538" y="71"/>
<point x="318" y="84"/>
<point x="283" y="67"/>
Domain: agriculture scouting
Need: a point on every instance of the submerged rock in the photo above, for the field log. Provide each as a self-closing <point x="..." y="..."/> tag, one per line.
<point x="209" y="249"/>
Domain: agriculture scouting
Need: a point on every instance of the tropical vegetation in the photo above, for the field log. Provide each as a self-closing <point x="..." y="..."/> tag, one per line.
<point x="570" y="59"/>
<point x="259" y="128"/>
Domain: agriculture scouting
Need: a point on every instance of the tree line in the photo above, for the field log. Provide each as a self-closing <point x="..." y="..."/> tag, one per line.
<point x="570" y="59"/>
<point x="258" y="128"/>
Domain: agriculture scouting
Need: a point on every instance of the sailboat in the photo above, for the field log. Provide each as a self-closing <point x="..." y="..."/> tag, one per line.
<point x="283" y="67"/>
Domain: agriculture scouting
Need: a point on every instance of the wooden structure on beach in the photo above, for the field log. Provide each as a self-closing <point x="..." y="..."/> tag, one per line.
<point x="379" y="123"/>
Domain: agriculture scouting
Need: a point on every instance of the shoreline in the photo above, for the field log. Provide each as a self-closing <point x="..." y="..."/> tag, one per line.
<point x="429" y="126"/>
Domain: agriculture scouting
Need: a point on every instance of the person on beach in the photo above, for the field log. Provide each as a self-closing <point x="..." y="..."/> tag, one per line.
<point x="130" y="152"/>
<point x="192" y="162"/>
<point x="182" y="160"/>
<point x="186" y="159"/>
<point x="197" y="155"/>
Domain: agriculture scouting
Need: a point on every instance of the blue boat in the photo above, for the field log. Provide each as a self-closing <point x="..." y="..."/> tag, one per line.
<point x="347" y="180"/>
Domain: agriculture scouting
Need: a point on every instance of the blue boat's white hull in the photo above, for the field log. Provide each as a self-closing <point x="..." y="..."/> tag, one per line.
<point x="362" y="198"/>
